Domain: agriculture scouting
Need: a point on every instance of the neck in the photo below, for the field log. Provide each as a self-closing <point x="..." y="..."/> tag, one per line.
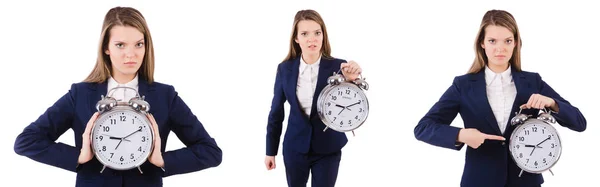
<point x="498" y="68"/>
<point x="310" y="58"/>
<point x="122" y="79"/>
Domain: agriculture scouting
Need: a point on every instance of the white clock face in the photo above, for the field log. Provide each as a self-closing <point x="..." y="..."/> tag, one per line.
<point x="345" y="107"/>
<point x="535" y="146"/>
<point x="122" y="139"/>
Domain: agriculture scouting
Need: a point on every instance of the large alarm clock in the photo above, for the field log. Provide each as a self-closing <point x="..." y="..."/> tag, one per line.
<point x="535" y="145"/>
<point x="122" y="136"/>
<point x="343" y="106"/>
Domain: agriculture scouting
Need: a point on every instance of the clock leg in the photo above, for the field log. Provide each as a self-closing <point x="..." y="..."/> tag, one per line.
<point x="520" y="173"/>
<point x="103" y="167"/>
<point x="353" y="134"/>
<point x="325" y="129"/>
<point x="551" y="172"/>
<point x="140" y="170"/>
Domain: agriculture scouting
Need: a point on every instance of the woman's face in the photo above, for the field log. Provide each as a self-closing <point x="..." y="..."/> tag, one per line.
<point x="126" y="49"/>
<point x="309" y="37"/>
<point x="499" y="44"/>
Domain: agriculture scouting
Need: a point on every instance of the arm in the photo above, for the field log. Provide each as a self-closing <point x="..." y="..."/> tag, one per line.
<point x="201" y="151"/>
<point x="434" y="128"/>
<point x="276" y="116"/>
<point x="567" y="115"/>
<point x="37" y="141"/>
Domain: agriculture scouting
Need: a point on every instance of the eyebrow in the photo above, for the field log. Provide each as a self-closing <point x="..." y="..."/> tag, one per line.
<point x="119" y="41"/>
<point x="318" y="30"/>
<point x="504" y="38"/>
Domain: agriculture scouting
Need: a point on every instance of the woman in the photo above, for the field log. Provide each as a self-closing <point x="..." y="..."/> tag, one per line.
<point x="125" y="58"/>
<point x="300" y="78"/>
<point x="487" y="97"/>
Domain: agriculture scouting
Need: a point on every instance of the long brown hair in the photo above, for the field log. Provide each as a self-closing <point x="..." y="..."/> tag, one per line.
<point x="122" y="16"/>
<point x="497" y="18"/>
<point x="295" y="49"/>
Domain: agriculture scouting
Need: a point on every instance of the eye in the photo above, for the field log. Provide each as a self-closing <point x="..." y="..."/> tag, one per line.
<point x="303" y="34"/>
<point x="509" y="41"/>
<point x="119" y="45"/>
<point x="492" y="41"/>
<point x="140" y="44"/>
<point x="318" y="33"/>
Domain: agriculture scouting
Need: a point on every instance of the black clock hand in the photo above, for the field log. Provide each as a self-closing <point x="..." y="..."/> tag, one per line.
<point x="543" y="141"/>
<point x="532" y="151"/>
<point x="138" y="130"/>
<point x="354" y="104"/>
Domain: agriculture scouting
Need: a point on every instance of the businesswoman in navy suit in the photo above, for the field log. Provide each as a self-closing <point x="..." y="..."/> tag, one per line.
<point x="487" y="97"/>
<point x="300" y="78"/>
<point x="125" y="58"/>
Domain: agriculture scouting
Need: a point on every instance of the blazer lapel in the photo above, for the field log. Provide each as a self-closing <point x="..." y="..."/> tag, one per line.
<point x="523" y="93"/>
<point x="325" y="71"/>
<point x="97" y="90"/>
<point x="479" y="94"/>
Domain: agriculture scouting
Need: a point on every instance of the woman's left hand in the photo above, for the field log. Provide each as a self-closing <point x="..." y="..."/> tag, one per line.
<point x="538" y="101"/>
<point x="156" y="156"/>
<point x="351" y="70"/>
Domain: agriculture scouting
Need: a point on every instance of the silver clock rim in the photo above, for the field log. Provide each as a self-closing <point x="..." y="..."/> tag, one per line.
<point x="108" y="113"/>
<point x="321" y="105"/>
<point x="520" y="165"/>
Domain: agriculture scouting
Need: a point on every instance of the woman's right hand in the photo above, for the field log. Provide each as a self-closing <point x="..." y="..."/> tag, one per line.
<point x="270" y="162"/>
<point x="473" y="138"/>
<point x="86" y="149"/>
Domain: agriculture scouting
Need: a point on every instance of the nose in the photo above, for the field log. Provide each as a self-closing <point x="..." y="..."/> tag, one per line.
<point x="129" y="52"/>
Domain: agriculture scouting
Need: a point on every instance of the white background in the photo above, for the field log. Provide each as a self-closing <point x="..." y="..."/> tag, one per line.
<point x="222" y="56"/>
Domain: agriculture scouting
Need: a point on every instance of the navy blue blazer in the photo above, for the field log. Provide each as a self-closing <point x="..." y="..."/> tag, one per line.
<point x="303" y="132"/>
<point x="75" y="108"/>
<point x="489" y="165"/>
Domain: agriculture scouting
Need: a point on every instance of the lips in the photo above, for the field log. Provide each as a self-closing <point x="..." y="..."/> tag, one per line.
<point x="130" y="63"/>
<point x="500" y="56"/>
<point x="312" y="46"/>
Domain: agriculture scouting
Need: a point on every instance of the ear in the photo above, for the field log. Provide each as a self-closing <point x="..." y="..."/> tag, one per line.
<point x="296" y="40"/>
<point x="482" y="45"/>
<point x="107" y="52"/>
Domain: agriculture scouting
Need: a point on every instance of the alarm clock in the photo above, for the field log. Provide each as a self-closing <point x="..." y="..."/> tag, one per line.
<point x="343" y="106"/>
<point x="535" y="145"/>
<point x="122" y="136"/>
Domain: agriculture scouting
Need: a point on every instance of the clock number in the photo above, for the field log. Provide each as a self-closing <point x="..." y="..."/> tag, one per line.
<point x="549" y="137"/>
<point x="140" y="128"/>
<point x="341" y="122"/>
<point x="334" y="98"/>
<point x="349" y="122"/>
<point x="113" y="121"/>
<point x="112" y="154"/>
<point x="347" y="91"/>
<point x="535" y="163"/>
<point x="526" y="132"/>
<point x="121" y="159"/>
<point x="334" y="118"/>
<point x="354" y="95"/>
<point x="520" y="155"/>
<point x="534" y="129"/>
<point x="106" y="128"/>
<point x="360" y="109"/>
<point x="518" y="146"/>
<point x="552" y="145"/>
<point x="328" y="104"/>
<point x="123" y="118"/>
<point x="544" y="160"/>
<point x="132" y="121"/>
<point x="101" y="137"/>
<point x="527" y="161"/>
<point x="103" y="148"/>
<point x="329" y="113"/>
<point x="131" y="156"/>
<point x="550" y="154"/>
<point x="140" y="149"/>
<point x="542" y="131"/>
<point x="143" y="139"/>
<point x="339" y="92"/>
<point x="521" y="138"/>
<point x="356" y="117"/>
